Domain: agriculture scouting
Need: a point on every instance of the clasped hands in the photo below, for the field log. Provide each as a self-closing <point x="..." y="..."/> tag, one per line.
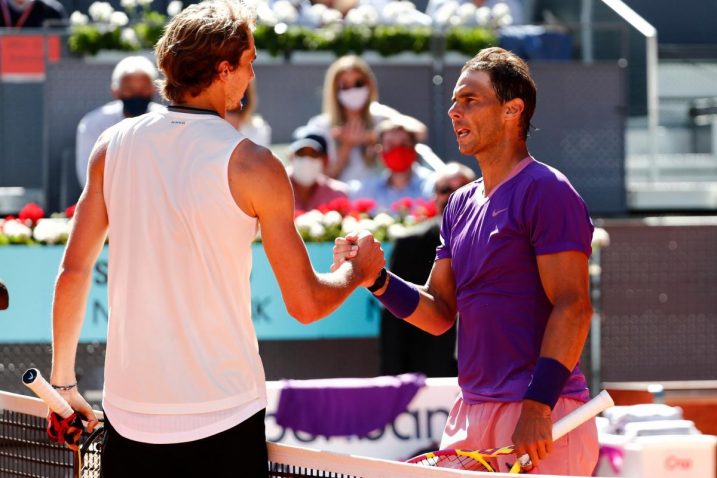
<point x="363" y="251"/>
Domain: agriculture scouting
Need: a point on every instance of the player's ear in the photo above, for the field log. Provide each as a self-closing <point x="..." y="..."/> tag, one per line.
<point x="513" y="109"/>
<point x="223" y="69"/>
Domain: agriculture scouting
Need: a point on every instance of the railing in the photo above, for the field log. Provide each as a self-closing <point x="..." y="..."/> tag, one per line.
<point x="650" y="34"/>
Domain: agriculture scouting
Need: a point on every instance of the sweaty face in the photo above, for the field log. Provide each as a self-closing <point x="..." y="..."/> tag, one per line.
<point x="476" y="113"/>
<point x="241" y="76"/>
<point x="135" y="85"/>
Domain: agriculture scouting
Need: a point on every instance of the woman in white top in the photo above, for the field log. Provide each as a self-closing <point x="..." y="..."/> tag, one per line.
<point x="350" y="112"/>
<point x="249" y="124"/>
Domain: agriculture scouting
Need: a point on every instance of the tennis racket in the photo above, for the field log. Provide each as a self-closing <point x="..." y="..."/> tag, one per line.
<point x="485" y="460"/>
<point x="87" y="458"/>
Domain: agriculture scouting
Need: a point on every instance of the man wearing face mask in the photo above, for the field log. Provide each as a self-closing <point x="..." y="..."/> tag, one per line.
<point x="312" y="188"/>
<point x="133" y="88"/>
<point x="31" y="13"/>
<point x="403" y="177"/>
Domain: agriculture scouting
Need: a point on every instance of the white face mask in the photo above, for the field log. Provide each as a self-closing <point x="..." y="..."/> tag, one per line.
<point x="306" y="170"/>
<point x="354" y="98"/>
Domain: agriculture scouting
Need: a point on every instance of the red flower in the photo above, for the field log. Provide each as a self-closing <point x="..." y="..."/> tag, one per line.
<point x="31" y="212"/>
<point x="403" y="205"/>
<point x="9" y="218"/>
<point x="341" y="205"/>
<point x="364" y="205"/>
<point x="70" y="211"/>
<point x="424" y="209"/>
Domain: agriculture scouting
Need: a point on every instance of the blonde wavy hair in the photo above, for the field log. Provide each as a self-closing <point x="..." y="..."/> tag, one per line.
<point x="331" y="105"/>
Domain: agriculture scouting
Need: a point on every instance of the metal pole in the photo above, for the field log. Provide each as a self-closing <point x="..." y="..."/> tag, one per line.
<point x="586" y="30"/>
<point x="653" y="113"/>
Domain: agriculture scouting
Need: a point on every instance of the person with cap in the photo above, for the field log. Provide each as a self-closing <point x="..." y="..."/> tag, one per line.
<point x="133" y="88"/>
<point x="4" y="297"/>
<point x="403" y="177"/>
<point x="308" y="159"/>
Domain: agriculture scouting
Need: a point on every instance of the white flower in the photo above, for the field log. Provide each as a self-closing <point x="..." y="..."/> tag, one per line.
<point x="331" y="16"/>
<point x="314" y="14"/>
<point x="362" y="15"/>
<point x="332" y="218"/>
<point x="466" y="14"/>
<point x="383" y="220"/>
<point x="317" y="231"/>
<point x="367" y="224"/>
<point x="409" y="220"/>
<point x="100" y="11"/>
<point x="500" y="9"/>
<point x="78" y="18"/>
<point x="349" y="225"/>
<point x="483" y="16"/>
<point x="119" y="19"/>
<point x="285" y="12"/>
<point x="129" y="36"/>
<point x="128" y="4"/>
<point x="445" y="12"/>
<point x="395" y="231"/>
<point x="308" y="219"/>
<point x="145" y="3"/>
<point x="265" y="14"/>
<point x="15" y="229"/>
<point x="51" y="231"/>
<point x="174" y="7"/>
<point x="394" y="13"/>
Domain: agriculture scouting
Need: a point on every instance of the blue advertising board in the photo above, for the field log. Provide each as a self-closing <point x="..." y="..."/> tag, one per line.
<point x="30" y="271"/>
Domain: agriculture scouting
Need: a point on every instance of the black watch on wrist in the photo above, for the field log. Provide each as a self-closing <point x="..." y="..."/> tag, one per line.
<point x="380" y="281"/>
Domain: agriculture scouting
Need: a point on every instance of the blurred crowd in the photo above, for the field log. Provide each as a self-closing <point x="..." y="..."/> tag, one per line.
<point x="356" y="148"/>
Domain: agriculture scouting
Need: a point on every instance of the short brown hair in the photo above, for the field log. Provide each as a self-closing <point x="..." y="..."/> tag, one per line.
<point x="197" y="40"/>
<point x="510" y="77"/>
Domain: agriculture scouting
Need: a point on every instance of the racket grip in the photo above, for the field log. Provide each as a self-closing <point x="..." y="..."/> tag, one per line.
<point x="577" y="417"/>
<point x="34" y="380"/>
<point x="582" y="414"/>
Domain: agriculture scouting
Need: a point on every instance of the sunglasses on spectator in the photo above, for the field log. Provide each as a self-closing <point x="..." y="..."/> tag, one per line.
<point x="357" y="84"/>
<point x="445" y="190"/>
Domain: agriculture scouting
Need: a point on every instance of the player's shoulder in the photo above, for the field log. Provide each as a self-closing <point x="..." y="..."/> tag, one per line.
<point x="251" y="158"/>
<point x="546" y="181"/>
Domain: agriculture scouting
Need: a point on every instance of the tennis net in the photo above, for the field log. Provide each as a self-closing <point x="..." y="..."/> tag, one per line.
<point x="26" y="451"/>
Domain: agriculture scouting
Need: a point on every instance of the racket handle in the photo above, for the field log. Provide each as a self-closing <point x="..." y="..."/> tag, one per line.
<point x="577" y="417"/>
<point x="582" y="414"/>
<point x="34" y="380"/>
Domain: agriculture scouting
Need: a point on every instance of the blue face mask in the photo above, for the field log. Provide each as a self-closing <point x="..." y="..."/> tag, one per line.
<point x="135" y="105"/>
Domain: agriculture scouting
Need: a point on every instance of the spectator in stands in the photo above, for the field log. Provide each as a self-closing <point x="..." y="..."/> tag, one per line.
<point x="516" y="7"/>
<point x="403" y="347"/>
<point x="133" y="87"/>
<point x="403" y="177"/>
<point x="308" y="159"/>
<point x="350" y="112"/>
<point x="31" y="13"/>
<point x="247" y="123"/>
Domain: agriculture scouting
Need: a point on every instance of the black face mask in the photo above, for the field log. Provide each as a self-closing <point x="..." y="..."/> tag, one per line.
<point x="135" y="105"/>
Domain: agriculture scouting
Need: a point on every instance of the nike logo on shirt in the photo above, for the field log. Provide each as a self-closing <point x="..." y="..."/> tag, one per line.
<point x="498" y="211"/>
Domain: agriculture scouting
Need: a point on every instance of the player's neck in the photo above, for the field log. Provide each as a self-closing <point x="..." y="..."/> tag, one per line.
<point x="209" y="99"/>
<point x="497" y="164"/>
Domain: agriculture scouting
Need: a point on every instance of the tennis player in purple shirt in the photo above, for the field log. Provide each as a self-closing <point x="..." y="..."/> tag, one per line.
<point x="513" y="264"/>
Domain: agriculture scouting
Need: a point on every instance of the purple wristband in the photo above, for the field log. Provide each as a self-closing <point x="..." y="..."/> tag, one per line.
<point x="400" y="298"/>
<point x="549" y="378"/>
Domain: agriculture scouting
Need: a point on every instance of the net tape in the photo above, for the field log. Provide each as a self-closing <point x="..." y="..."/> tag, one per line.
<point x="26" y="451"/>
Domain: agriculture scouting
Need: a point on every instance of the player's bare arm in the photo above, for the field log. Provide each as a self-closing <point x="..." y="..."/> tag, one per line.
<point x="564" y="277"/>
<point x="84" y="245"/>
<point x="436" y="310"/>
<point x="261" y="188"/>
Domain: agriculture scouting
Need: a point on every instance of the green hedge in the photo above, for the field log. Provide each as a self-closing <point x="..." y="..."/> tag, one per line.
<point x="282" y="41"/>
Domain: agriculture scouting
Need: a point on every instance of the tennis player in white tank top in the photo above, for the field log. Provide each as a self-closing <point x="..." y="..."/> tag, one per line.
<point x="182" y="194"/>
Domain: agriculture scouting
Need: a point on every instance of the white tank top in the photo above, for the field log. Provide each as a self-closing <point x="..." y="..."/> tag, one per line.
<point x="180" y="338"/>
